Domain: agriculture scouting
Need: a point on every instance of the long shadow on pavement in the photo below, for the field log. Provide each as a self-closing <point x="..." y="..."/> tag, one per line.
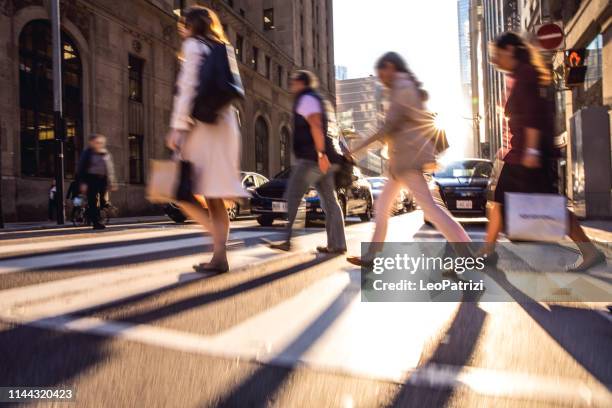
<point x="41" y="357"/>
<point x="583" y="333"/>
<point x="261" y="386"/>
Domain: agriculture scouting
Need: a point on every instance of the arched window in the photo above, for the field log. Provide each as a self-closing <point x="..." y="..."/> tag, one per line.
<point x="36" y="100"/>
<point x="285" y="149"/>
<point x="261" y="146"/>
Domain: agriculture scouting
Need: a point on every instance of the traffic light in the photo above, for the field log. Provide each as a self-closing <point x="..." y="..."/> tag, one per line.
<point x="575" y="68"/>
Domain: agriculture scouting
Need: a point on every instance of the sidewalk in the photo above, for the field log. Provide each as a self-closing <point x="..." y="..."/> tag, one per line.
<point x="46" y="225"/>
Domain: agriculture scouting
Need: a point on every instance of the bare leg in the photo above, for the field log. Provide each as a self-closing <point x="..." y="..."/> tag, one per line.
<point x="212" y="221"/>
<point x="590" y="254"/>
<point x="219" y="231"/>
<point x="494" y="227"/>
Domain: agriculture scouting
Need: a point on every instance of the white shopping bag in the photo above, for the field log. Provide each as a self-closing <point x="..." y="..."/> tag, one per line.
<point x="536" y="217"/>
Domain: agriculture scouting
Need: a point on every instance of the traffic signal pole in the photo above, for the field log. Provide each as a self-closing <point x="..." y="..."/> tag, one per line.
<point x="58" y="117"/>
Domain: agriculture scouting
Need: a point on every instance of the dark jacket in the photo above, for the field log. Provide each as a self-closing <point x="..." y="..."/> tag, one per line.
<point x="85" y="162"/>
<point x="303" y="143"/>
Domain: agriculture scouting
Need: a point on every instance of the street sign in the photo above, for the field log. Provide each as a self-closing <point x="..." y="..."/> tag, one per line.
<point x="550" y="36"/>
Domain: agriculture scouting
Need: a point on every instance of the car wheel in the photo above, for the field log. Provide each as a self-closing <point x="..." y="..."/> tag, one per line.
<point x="232" y="211"/>
<point x="175" y="214"/>
<point x="265" y="221"/>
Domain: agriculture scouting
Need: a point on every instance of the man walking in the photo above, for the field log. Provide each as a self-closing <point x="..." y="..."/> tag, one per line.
<point x="316" y="154"/>
<point x="96" y="175"/>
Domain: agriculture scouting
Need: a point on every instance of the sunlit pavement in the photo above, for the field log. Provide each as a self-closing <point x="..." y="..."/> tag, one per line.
<point x="119" y="317"/>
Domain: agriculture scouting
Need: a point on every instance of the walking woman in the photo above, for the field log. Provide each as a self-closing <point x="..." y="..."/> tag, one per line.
<point x="213" y="149"/>
<point x="411" y="152"/>
<point x="528" y="165"/>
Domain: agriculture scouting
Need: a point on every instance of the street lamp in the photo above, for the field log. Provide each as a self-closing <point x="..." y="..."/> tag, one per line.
<point x="58" y="117"/>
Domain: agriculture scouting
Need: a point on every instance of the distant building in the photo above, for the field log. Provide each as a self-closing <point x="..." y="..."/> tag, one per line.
<point x="463" y="21"/>
<point x="360" y="106"/>
<point x="341" y="72"/>
<point x="488" y="19"/>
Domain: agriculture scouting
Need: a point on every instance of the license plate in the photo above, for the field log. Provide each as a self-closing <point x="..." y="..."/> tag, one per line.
<point x="279" y="206"/>
<point x="464" y="204"/>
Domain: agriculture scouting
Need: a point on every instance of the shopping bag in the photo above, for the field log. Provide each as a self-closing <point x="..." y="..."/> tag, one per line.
<point x="170" y="181"/>
<point x="164" y="178"/>
<point x="535" y="217"/>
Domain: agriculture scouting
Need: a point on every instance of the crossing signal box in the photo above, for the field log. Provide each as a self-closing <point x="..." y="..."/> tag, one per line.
<point x="575" y="68"/>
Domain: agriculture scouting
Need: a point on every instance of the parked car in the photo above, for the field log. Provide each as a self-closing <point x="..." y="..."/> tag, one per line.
<point x="269" y="203"/>
<point x="235" y="208"/>
<point x="404" y="201"/>
<point x="462" y="186"/>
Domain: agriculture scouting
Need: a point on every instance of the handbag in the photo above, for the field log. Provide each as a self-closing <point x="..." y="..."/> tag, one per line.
<point x="170" y="181"/>
<point x="536" y="217"/>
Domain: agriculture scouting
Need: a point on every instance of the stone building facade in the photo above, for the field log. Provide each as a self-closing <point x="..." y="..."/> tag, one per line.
<point x="119" y="68"/>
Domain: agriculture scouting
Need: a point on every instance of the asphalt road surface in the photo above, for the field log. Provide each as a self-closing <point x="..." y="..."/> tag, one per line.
<point x="119" y="317"/>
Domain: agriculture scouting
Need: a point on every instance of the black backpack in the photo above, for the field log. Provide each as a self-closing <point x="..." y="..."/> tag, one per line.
<point x="219" y="83"/>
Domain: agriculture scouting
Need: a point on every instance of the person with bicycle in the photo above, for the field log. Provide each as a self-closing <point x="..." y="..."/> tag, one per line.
<point x="96" y="176"/>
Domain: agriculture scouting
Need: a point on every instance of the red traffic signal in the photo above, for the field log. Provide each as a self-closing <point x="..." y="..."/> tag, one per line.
<point x="575" y="57"/>
<point x="575" y="68"/>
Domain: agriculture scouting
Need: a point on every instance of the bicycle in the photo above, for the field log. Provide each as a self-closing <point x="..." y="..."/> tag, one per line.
<point x="80" y="217"/>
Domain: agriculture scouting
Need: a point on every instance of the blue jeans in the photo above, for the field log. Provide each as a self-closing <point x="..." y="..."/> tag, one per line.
<point x="305" y="174"/>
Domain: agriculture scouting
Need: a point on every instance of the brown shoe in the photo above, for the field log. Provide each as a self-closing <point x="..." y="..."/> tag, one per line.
<point x="358" y="261"/>
<point x="328" y="250"/>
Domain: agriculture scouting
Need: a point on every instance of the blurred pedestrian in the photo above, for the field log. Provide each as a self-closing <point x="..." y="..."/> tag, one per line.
<point x="318" y="159"/>
<point x="529" y="163"/>
<point x="412" y="151"/>
<point x="96" y="176"/>
<point x="213" y="149"/>
<point x="52" y="204"/>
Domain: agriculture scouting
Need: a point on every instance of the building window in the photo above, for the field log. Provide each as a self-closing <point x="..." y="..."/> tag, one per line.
<point x="285" y="153"/>
<point x="303" y="59"/>
<point x="230" y="3"/>
<point x="261" y="146"/>
<point x="242" y="13"/>
<point x="279" y="75"/>
<point x="225" y="29"/>
<point x="136" y="159"/>
<point x="36" y="101"/>
<point x="135" y="66"/>
<point x="255" y="59"/>
<point x="268" y="19"/>
<point x="268" y="68"/>
<point x="239" y="45"/>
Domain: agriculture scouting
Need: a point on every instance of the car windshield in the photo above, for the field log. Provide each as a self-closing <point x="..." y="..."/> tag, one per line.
<point x="466" y="168"/>
<point x="283" y="174"/>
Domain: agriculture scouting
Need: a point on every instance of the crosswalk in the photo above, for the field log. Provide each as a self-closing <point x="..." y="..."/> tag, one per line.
<point x="323" y="326"/>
